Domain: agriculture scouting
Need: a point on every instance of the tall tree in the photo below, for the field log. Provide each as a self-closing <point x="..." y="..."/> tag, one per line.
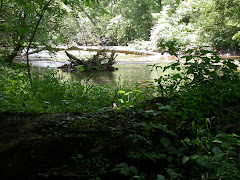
<point x="215" y="23"/>
<point x="21" y="26"/>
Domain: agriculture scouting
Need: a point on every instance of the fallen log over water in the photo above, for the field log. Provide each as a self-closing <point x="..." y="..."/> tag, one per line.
<point x="98" y="62"/>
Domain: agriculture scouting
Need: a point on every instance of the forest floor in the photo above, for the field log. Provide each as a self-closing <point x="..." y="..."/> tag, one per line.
<point x="43" y="146"/>
<point x="68" y="146"/>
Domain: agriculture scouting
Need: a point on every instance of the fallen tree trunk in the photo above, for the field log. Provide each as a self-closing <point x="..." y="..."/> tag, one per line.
<point x="98" y="62"/>
<point x="73" y="60"/>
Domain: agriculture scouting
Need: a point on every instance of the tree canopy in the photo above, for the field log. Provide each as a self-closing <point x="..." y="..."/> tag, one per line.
<point x="213" y="23"/>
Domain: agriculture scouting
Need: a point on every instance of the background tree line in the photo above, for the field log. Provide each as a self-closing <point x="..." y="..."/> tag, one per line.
<point x="144" y="23"/>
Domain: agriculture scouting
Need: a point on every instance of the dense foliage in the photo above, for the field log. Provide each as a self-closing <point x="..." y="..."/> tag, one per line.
<point x="42" y="24"/>
<point x="185" y="125"/>
<point x="212" y="23"/>
<point x="190" y="119"/>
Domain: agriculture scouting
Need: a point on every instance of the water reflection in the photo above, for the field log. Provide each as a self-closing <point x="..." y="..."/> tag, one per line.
<point x="127" y="72"/>
<point x="132" y="68"/>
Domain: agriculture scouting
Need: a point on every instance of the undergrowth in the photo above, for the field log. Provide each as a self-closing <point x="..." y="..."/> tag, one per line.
<point x="189" y="131"/>
<point x="46" y="93"/>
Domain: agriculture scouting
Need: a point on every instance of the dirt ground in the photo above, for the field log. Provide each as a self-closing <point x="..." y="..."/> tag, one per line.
<point x="42" y="146"/>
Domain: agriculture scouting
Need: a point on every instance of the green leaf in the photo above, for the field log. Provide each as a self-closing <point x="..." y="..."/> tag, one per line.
<point x="220" y="171"/>
<point x="170" y="158"/>
<point x="217" y="141"/>
<point x="122" y="168"/>
<point x="134" y="170"/>
<point x="162" y="127"/>
<point x="165" y="142"/>
<point x="235" y="135"/>
<point x="121" y="92"/>
<point x="176" y="76"/>
<point x="188" y="58"/>
<point x="232" y="65"/>
<point x="217" y="151"/>
<point x="149" y="111"/>
<point x="231" y="166"/>
<point x="121" y="100"/>
<point x="161" y="177"/>
<point x="79" y="156"/>
<point x="86" y="2"/>
<point x="185" y="159"/>
<point x="172" y="174"/>
<point x="194" y="157"/>
<point x="167" y="107"/>
<point x="187" y="140"/>
<point x="172" y="133"/>
<point x="196" y="141"/>
<point x="207" y="164"/>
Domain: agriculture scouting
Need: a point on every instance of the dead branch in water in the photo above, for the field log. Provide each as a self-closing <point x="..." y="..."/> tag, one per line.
<point x="98" y="62"/>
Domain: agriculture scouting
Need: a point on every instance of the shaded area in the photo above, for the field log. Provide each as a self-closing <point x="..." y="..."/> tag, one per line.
<point x="42" y="146"/>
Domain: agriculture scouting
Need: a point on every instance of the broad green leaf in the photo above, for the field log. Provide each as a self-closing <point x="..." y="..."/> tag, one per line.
<point x="86" y="2"/>
<point x="185" y="159"/>
<point x="231" y="166"/>
<point x="165" y="142"/>
<point x="187" y="140"/>
<point x="167" y="107"/>
<point x="176" y="76"/>
<point x="217" y="141"/>
<point x="207" y="164"/>
<point x="79" y="156"/>
<point x="171" y="132"/>
<point x="194" y="157"/>
<point x="220" y="171"/>
<point x="149" y="111"/>
<point x="134" y="169"/>
<point x="235" y="135"/>
<point x="121" y="92"/>
<point x="188" y="58"/>
<point x="170" y="158"/>
<point x="172" y="174"/>
<point x="121" y="100"/>
<point x="161" y="177"/>
<point x="217" y="151"/>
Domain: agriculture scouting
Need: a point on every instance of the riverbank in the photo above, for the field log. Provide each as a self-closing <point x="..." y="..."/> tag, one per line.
<point x="125" y="54"/>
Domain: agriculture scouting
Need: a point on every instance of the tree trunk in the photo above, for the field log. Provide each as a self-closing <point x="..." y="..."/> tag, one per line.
<point x="33" y="35"/>
<point x="95" y="63"/>
<point x="20" y="39"/>
<point x="13" y="54"/>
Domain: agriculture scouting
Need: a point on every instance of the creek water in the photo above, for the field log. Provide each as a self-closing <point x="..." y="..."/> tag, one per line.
<point x="131" y="68"/>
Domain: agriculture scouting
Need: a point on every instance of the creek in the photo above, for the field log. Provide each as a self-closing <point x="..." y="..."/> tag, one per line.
<point x="131" y="68"/>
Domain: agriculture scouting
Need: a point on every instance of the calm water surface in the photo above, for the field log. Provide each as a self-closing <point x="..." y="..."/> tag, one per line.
<point x="131" y="68"/>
